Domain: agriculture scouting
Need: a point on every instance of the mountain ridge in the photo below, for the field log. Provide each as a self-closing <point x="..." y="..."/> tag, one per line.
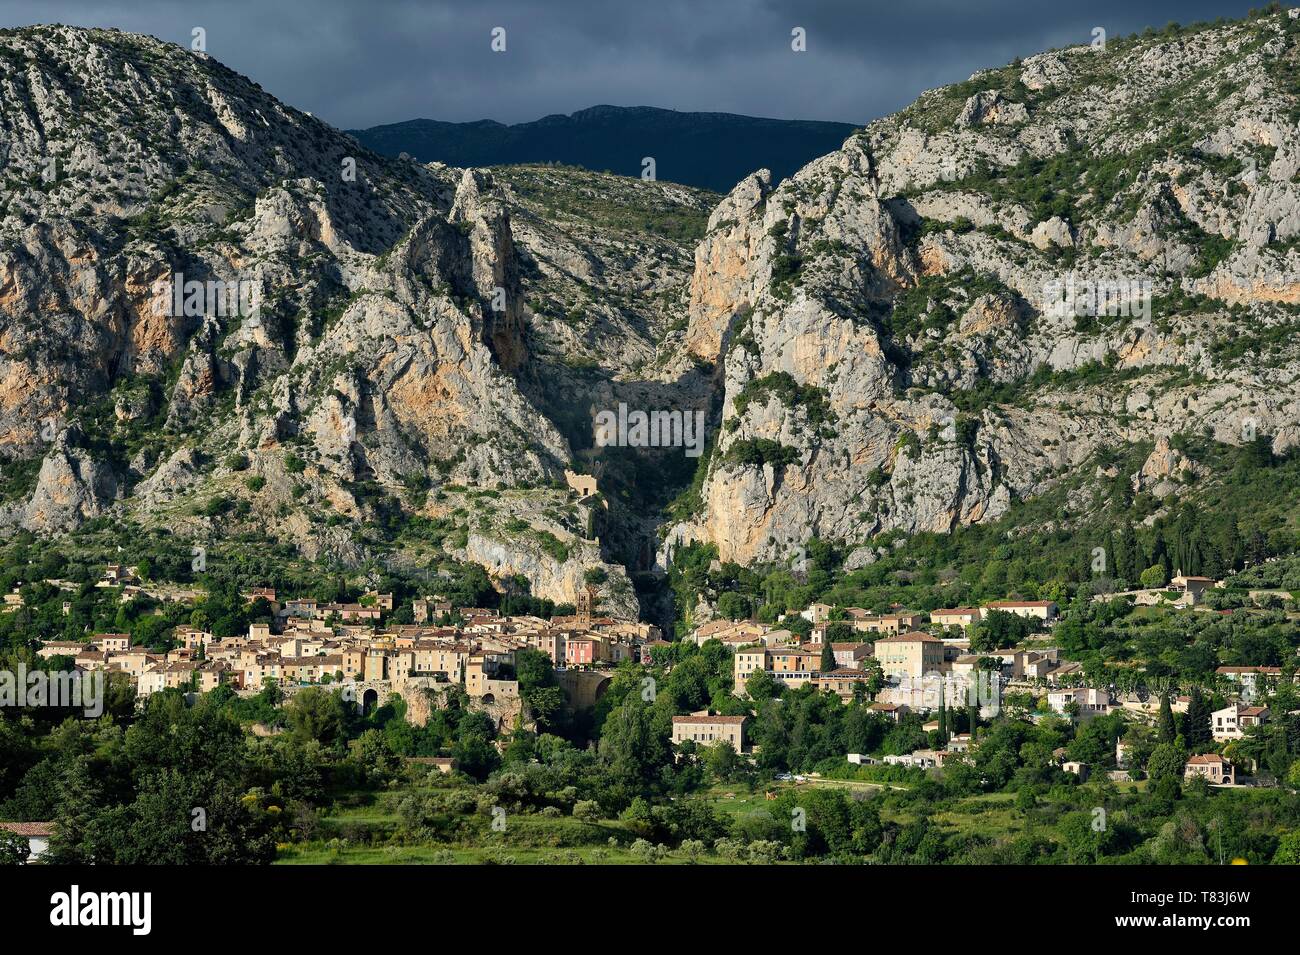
<point x="711" y="150"/>
<point x="872" y="339"/>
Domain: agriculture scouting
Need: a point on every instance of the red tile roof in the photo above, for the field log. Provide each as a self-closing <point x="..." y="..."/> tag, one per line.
<point x="916" y="636"/>
<point x="29" y="828"/>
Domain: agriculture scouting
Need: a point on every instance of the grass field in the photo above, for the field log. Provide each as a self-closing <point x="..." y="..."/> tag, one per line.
<point x="366" y="831"/>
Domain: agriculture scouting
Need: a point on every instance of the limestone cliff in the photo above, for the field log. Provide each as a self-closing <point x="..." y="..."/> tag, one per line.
<point x="896" y="342"/>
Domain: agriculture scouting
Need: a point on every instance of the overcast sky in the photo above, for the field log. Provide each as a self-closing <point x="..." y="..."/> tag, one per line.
<point x="358" y="63"/>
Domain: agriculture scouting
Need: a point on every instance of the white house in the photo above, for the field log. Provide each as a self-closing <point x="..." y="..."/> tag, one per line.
<point x="1251" y="679"/>
<point x="1231" y="722"/>
<point x="1045" y="610"/>
<point x="1091" y="702"/>
<point x="37" y="834"/>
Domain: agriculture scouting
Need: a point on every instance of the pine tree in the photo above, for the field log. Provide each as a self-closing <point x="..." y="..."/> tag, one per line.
<point x="1257" y="548"/>
<point x="1185" y="550"/>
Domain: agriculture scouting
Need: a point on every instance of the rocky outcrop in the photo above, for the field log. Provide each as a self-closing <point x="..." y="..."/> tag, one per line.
<point x="71" y="488"/>
<point x="544" y="537"/>
<point x="991" y="107"/>
<point x="1164" y="470"/>
<point x="388" y="321"/>
<point x="973" y="296"/>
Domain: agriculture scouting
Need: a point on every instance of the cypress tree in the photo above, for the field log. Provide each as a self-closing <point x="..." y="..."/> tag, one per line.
<point x="828" y="653"/>
<point x="1197" y="725"/>
<point x="1168" y="728"/>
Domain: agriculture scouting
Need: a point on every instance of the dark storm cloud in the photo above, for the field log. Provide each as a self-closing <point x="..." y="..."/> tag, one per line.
<point x="376" y="61"/>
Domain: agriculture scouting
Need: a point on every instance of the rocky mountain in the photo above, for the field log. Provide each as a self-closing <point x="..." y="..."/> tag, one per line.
<point x="707" y="150"/>
<point x="896" y="340"/>
<point x="361" y="330"/>
<point x="220" y="316"/>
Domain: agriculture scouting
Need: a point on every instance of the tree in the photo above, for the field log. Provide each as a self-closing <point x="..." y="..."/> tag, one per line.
<point x="159" y="827"/>
<point x="1288" y="849"/>
<point x="1083" y="841"/>
<point x="317" y="714"/>
<point x="1168" y="729"/>
<point x="840" y="633"/>
<point x="13" y="848"/>
<point x="1154" y="577"/>
<point x="875" y="676"/>
<point x="761" y="685"/>
<point x="372" y="751"/>
<point x="543" y="703"/>
<point x="538" y="688"/>
<point x="733" y="606"/>
<point x="997" y="631"/>
<point x="1127" y="554"/>
<point x="1167" y="761"/>
<point x="473" y="749"/>
<point x="828" y="655"/>
<point x="635" y="746"/>
<point x="80" y="802"/>
<point x="1196" y="724"/>
<point x="721" y="760"/>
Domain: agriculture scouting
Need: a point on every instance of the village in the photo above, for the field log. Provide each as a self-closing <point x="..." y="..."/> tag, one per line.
<point x="895" y="663"/>
<point x="921" y="663"/>
<point x="348" y="646"/>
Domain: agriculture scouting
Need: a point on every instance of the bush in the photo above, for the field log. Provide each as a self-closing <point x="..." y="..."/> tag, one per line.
<point x="760" y="451"/>
<point x="693" y="848"/>
<point x="648" y="851"/>
<point x="1153" y="577"/>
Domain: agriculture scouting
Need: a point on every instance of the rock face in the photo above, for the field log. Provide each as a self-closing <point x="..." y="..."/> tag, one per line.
<point x="560" y="581"/>
<point x="991" y="107"/>
<point x="1086" y="249"/>
<point x="388" y="294"/>
<point x="365" y="331"/>
<point x="70" y="488"/>
<point x="1163" y="470"/>
<point x="971" y="297"/>
<point x="360" y="324"/>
